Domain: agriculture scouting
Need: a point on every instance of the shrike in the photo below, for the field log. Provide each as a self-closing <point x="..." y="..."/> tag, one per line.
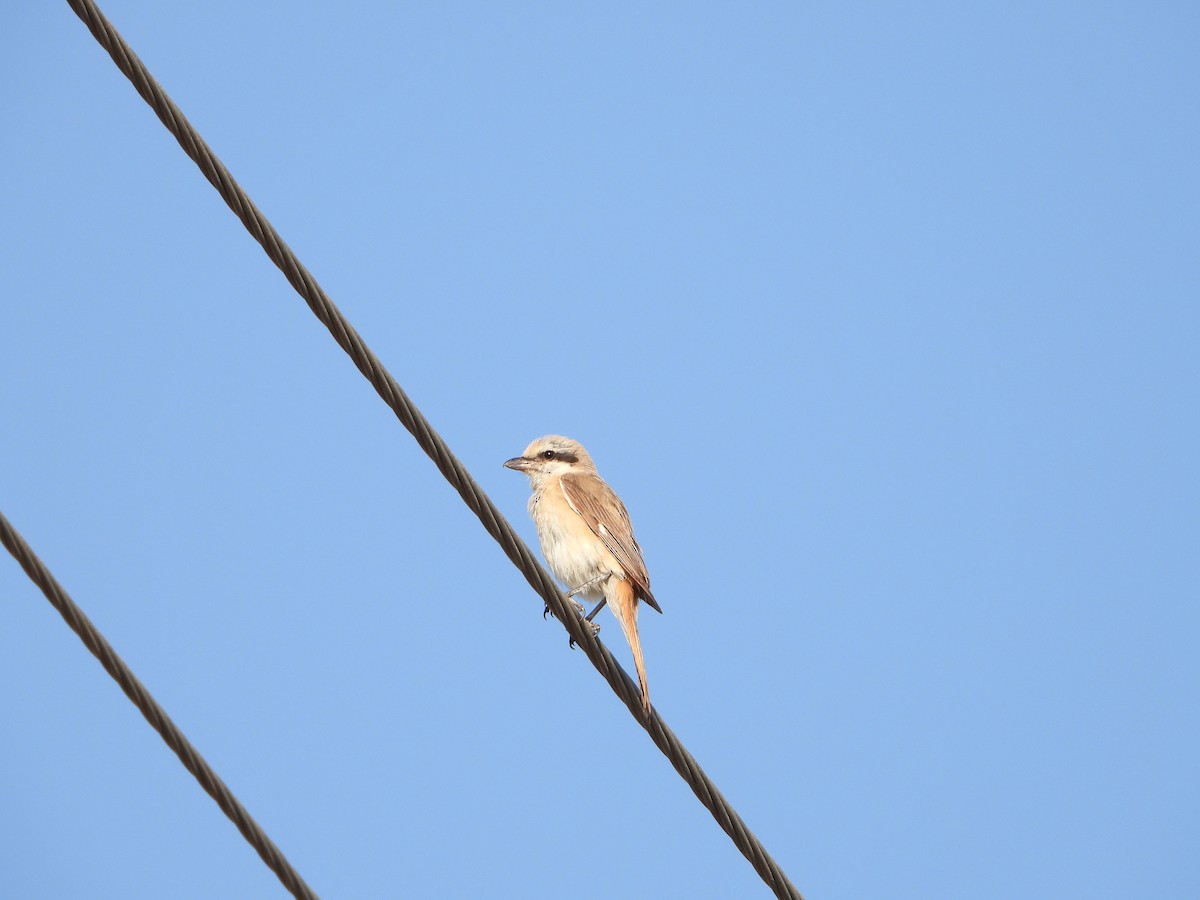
<point x="586" y="536"/>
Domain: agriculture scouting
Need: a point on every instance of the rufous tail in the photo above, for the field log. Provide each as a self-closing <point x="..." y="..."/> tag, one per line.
<point x="623" y="603"/>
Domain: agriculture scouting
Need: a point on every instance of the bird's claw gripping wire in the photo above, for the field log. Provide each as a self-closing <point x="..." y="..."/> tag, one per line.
<point x="588" y="618"/>
<point x="579" y="611"/>
<point x="595" y="631"/>
<point x="578" y="608"/>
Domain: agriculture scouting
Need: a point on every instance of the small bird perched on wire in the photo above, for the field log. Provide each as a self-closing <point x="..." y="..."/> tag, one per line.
<point x="586" y="536"/>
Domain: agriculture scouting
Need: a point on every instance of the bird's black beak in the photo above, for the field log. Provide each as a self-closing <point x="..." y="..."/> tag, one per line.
<point x="520" y="463"/>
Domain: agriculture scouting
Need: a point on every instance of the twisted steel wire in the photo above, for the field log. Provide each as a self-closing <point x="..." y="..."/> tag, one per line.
<point x="155" y="714"/>
<point x="429" y="441"/>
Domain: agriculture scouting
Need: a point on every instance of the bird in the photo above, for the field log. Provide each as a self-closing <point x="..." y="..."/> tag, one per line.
<point x="586" y="536"/>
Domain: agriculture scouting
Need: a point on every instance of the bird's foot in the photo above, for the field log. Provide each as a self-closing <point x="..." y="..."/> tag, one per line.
<point x="595" y="631"/>
<point x="578" y="609"/>
<point x="588" y="618"/>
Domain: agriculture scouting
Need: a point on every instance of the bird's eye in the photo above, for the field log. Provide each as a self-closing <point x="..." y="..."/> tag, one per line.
<point x="548" y="454"/>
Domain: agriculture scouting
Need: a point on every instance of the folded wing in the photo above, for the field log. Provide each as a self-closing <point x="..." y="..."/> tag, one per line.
<point x="604" y="513"/>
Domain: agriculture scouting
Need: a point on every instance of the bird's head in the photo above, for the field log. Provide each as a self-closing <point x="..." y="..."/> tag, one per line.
<point x="551" y="455"/>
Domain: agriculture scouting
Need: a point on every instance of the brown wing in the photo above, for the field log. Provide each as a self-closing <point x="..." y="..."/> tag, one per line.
<point x="599" y="506"/>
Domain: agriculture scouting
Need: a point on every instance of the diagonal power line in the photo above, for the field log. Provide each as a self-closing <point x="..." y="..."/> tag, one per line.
<point x="155" y="714"/>
<point x="429" y="440"/>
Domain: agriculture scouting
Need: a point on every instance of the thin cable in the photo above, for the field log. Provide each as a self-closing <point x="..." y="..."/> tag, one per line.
<point x="429" y="441"/>
<point x="155" y="714"/>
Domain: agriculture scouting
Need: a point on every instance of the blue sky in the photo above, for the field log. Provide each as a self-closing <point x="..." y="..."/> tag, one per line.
<point x="882" y="319"/>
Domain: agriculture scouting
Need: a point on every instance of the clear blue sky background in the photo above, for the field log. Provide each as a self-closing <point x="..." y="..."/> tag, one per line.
<point x="883" y="319"/>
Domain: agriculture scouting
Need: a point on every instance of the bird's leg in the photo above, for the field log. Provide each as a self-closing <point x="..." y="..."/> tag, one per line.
<point x="588" y="618"/>
<point x="583" y="587"/>
<point x="579" y="607"/>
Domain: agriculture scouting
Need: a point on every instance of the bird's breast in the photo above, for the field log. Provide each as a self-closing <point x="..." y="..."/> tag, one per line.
<point x="575" y="555"/>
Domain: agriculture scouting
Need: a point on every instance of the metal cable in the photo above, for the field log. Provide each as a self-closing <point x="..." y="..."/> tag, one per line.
<point x="155" y="714"/>
<point x="429" y="440"/>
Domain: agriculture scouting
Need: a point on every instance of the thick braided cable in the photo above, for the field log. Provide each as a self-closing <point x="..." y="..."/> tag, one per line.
<point x="428" y="439"/>
<point x="155" y="714"/>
